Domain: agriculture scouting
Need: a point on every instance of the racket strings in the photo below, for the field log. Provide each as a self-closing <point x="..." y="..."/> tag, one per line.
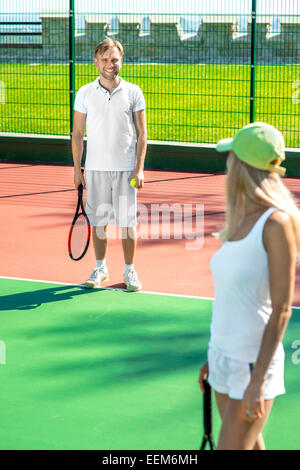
<point x="80" y="236"/>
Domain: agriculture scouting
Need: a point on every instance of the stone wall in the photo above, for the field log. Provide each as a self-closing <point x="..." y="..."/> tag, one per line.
<point x="217" y="40"/>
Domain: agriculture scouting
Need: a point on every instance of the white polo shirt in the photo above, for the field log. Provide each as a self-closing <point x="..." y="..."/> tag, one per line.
<point x="111" y="132"/>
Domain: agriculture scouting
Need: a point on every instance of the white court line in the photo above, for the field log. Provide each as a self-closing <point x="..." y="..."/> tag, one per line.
<point x="112" y="288"/>
<point x="107" y="288"/>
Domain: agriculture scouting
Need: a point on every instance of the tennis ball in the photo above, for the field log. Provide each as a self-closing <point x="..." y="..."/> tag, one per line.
<point x="133" y="182"/>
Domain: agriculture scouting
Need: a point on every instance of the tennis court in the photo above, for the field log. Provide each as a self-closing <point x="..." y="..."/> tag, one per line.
<point x="108" y="369"/>
<point x="105" y="368"/>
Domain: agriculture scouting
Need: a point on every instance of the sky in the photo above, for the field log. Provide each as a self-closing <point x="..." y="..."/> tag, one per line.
<point x="265" y="7"/>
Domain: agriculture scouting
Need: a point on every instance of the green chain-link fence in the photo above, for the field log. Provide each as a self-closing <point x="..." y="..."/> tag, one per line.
<point x="204" y="72"/>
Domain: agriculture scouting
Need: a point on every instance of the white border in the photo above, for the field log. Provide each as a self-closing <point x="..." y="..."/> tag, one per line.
<point x="113" y="288"/>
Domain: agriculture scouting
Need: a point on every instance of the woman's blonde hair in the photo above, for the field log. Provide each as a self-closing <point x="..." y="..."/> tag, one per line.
<point x="264" y="188"/>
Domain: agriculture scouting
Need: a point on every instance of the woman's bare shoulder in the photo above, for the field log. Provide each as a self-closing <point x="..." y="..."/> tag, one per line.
<point x="278" y="227"/>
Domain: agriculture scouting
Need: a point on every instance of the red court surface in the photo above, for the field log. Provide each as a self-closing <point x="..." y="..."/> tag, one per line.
<point x="38" y="203"/>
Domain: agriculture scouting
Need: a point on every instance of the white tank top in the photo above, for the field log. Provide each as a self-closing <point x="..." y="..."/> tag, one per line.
<point x="242" y="304"/>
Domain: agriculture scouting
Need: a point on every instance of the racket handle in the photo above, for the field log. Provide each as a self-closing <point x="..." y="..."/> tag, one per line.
<point x="203" y="443"/>
<point x="207" y="407"/>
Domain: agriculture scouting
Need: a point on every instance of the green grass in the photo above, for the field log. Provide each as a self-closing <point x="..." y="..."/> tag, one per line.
<point x="185" y="103"/>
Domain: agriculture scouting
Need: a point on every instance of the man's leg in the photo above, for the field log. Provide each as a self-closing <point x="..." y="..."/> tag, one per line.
<point x="98" y="209"/>
<point x="125" y="208"/>
<point x="100" y="273"/>
<point x="129" y="242"/>
<point x="100" y="242"/>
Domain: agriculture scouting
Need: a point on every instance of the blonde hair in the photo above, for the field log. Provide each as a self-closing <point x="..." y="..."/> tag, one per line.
<point x="264" y="188"/>
<point x="107" y="44"/>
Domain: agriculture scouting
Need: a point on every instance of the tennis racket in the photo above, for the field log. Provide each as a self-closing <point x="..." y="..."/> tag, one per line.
<point x="207" y="417"/>
<point x="80" y="231"/>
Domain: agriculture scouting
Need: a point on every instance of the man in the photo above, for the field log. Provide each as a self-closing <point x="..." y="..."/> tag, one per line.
<point x="114" y="111"/>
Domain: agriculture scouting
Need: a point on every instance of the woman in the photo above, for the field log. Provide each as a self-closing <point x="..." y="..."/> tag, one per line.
<point x="254" y="276"/>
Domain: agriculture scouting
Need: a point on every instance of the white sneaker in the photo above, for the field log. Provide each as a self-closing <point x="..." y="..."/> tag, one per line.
<point x="98" y="275"/>
<point x="131" y="280"/>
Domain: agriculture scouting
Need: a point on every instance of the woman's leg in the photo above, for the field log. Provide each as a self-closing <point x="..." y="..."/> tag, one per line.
<point x="221" y="401"/>
<point x="237" y="434"/>
<point x="260" y="443"/>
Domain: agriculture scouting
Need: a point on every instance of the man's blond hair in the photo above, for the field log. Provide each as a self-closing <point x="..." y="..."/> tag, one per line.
<point x="107" y="44"/>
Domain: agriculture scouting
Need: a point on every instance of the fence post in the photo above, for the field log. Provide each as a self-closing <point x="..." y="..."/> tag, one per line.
<point x="253" y="62"/>
<point x="71" y="62"/>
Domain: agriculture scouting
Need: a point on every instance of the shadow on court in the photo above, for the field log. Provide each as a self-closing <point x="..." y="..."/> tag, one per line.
<point x="115" y="347"/>
<point x="85" y="340"/>
<point x="33" y="299"/>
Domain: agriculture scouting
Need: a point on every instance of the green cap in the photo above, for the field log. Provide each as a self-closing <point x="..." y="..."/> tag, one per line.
<point x="257" y="144"/>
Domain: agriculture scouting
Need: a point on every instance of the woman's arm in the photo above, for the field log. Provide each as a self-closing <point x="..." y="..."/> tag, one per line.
<point x="279" y="242"/>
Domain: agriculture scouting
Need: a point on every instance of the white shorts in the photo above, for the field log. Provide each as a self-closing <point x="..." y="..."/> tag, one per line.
<point x="231" y="377"/>
<point x="109" y="196"/>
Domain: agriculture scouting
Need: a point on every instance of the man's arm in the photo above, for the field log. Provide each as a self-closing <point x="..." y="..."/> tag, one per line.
<point x="77" y="146"/>
<point x="141" y="131"/>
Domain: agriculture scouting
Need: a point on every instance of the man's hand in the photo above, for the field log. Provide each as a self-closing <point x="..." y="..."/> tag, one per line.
<point x="78" y="178"/>
<point x="139" y="176"/>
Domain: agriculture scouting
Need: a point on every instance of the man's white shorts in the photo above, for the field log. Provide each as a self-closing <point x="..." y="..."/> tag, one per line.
<point x="109" y="196"/>
<point x="231" y="377"/>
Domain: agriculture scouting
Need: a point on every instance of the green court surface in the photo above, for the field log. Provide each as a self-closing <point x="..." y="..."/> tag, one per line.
<point x="107" y="369"/>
